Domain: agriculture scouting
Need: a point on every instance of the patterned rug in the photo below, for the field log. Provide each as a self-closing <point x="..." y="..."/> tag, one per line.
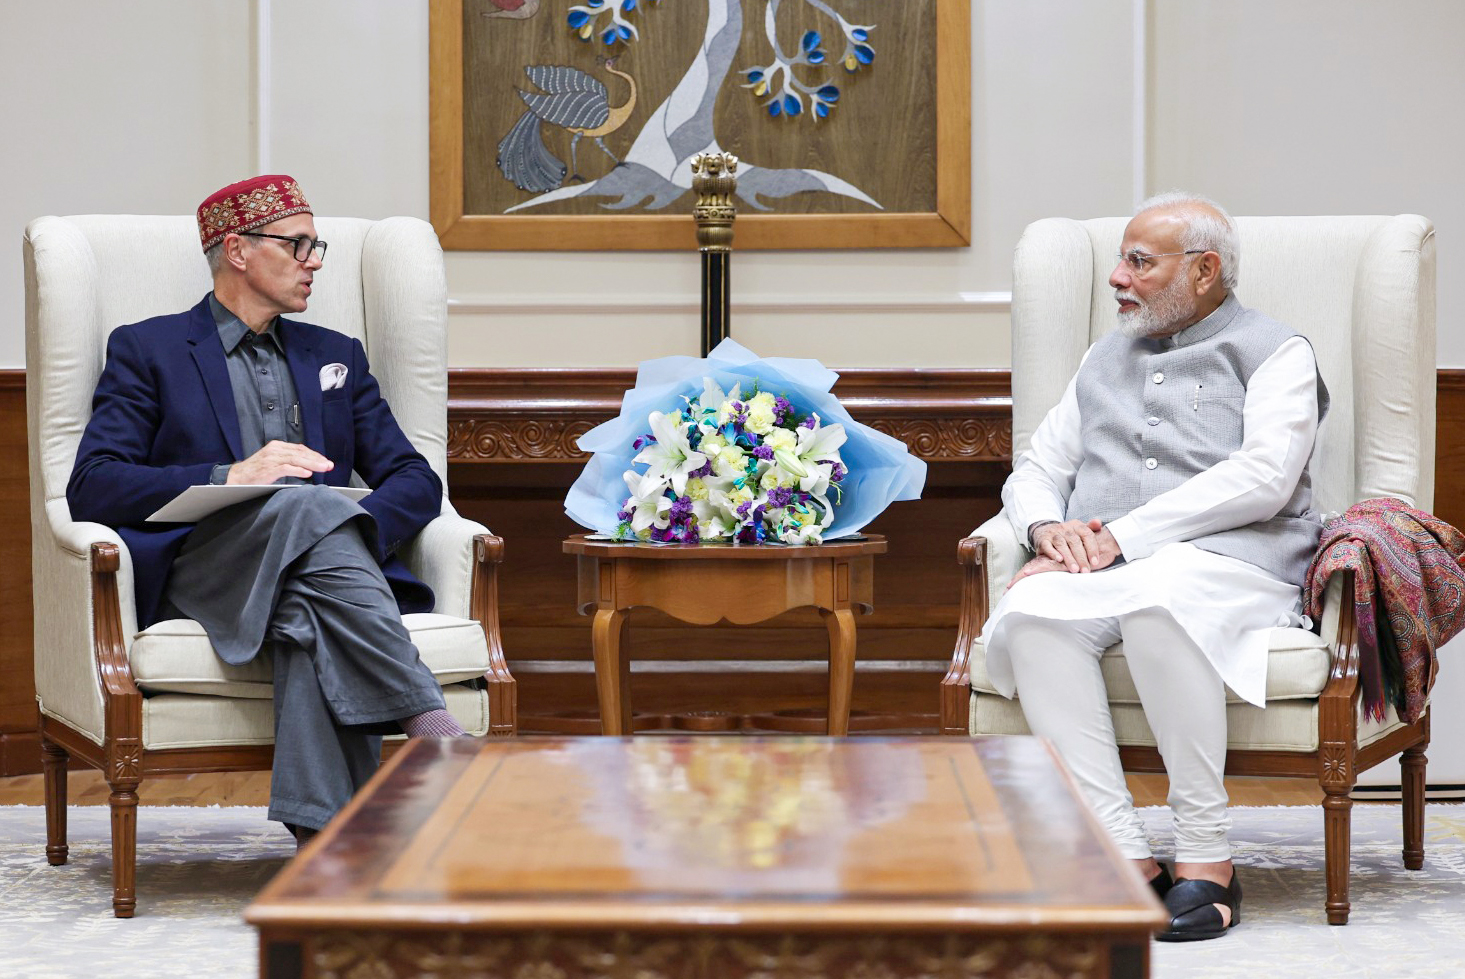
<point x="198" y="868"/>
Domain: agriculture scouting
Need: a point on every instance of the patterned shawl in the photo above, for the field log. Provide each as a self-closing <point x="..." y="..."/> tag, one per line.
<point x="1409" y="597"/>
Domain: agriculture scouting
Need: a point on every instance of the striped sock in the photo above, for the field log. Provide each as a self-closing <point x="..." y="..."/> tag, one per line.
<point x="432" y="724"/>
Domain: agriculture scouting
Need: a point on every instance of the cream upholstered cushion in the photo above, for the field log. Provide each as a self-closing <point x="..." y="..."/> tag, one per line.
<point x="1285" y="725"/>
<point x="174" y="656"/>
<point x="180" y="720"/>
<point x="1297" y="668"/>
<point x="384" y="284"/>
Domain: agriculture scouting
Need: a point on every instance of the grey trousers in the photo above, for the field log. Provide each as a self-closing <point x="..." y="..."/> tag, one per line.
<point x="291" y="575"/>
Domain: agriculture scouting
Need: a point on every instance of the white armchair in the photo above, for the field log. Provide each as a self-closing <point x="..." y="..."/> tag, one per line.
<point x="1361" y="289"/>
<point x="136" y="703"/>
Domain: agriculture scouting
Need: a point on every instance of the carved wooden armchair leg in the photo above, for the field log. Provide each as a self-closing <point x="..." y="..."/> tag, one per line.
<point x="53" y="763"/>
<point x="1411" y="766"/>
<point x="123" y="801"/>
<point x="1337" y="846"/>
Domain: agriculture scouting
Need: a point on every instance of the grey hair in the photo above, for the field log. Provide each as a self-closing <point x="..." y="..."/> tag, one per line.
<point x="1203" y="230"/>
<point x="215" y="257"/>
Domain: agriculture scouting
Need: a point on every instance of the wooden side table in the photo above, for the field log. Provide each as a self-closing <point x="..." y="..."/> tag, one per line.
<point x="709" y="583"/>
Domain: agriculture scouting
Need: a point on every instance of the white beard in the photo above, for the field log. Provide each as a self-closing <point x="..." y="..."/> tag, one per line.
<point x="1170" y="308"/>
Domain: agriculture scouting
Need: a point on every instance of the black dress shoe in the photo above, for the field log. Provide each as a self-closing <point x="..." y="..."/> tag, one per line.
<point x="1192" y="915"/>
<point x="1162" y="882"/>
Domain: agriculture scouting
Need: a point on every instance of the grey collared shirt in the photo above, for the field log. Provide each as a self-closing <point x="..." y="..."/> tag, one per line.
<point x="264" y="392"/>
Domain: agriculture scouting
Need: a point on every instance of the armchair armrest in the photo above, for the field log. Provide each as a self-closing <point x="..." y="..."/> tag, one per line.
<point x="459" y="559"/>
<point x="442" y="557"/>
<point x="990" y="556"/>
<point x="1338" y="704"/>
<point x="84" y="621"/>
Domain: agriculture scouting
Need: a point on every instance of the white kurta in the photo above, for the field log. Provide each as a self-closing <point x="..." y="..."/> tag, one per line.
<point x="1227" y="606"/>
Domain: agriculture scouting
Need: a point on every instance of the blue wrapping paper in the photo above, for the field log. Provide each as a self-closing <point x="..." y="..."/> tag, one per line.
<point x="881" y="469"/>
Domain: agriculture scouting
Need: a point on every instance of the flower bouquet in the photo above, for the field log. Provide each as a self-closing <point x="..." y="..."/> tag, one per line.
<point x="737" y="449"/>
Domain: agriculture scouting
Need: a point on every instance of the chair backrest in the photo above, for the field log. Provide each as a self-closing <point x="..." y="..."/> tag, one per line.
<point x="382" y="283"/>
<point x="1361" y="289"/>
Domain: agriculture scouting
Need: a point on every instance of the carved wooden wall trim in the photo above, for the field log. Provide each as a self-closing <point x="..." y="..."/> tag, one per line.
<point x="537" y="414"/>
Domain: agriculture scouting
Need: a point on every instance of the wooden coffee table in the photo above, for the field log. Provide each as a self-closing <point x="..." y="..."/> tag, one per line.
<point x="709" y="583"/>
<point x="711" y="858"/>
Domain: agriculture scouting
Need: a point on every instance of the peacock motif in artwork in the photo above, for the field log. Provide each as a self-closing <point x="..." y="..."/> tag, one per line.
<point x="571" y="100"/>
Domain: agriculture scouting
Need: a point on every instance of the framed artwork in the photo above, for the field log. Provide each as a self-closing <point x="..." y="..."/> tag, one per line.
<point x="570" y="124"/>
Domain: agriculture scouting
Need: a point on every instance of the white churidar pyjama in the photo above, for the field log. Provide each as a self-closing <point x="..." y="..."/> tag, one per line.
<point x="1058" y="660"/>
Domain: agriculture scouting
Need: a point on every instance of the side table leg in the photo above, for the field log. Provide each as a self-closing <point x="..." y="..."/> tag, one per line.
<point x="612" y="669"/>
<point x="841" y="626"/>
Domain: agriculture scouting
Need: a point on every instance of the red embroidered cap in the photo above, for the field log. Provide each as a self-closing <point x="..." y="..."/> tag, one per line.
<point x="247" y="205"/>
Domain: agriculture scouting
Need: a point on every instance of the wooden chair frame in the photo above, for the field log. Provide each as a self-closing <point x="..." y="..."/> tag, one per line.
<point x="1335" y="764"/>
<point x="125" y="762"/>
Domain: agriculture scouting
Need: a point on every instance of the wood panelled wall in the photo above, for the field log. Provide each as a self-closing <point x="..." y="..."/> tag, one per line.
<point x="512" y="457"/>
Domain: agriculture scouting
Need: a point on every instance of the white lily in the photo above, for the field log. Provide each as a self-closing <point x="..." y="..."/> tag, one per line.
<point x="711" y="400"/>
<point x="670" y="458"/>
<point x="649" y="506"/>
<point x="810" y="461"/>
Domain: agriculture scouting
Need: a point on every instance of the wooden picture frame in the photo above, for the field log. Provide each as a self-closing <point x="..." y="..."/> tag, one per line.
<point x="947" y="224"/>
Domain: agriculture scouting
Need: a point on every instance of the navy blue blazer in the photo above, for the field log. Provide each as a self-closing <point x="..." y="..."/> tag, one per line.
<point x="163" y="416"/>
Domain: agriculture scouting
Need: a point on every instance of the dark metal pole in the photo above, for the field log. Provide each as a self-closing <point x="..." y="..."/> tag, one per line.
<point x="714" y="181"/>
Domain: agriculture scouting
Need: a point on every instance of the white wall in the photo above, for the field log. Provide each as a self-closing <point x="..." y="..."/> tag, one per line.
<point x="1310" y="106"/>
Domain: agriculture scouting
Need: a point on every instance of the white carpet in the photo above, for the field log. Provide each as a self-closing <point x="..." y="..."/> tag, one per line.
<point x="198" y="869"/>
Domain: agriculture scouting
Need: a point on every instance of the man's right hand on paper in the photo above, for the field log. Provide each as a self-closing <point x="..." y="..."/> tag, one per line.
<point x="277" y="459"/>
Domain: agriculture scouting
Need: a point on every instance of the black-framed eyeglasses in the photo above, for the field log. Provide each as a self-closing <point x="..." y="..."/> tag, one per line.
<point x="304" y="245"/>
<point x="1139" y="263"/>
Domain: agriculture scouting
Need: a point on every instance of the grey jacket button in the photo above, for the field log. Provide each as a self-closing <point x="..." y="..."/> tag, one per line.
<point x="1151" y="463"/>
<point x="1159" y="377"/>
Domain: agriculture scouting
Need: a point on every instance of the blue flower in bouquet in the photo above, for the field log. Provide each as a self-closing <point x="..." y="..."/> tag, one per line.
<point x="737" y="448"/>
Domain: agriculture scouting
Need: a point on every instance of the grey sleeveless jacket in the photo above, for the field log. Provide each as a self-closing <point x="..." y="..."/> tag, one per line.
<point x="1157" y="412"/>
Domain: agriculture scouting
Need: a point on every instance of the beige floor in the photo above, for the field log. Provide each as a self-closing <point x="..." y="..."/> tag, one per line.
<point x="253" y="789"/>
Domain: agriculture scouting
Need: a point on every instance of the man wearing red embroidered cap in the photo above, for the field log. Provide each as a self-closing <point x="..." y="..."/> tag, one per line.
<point x="232" y="391"/>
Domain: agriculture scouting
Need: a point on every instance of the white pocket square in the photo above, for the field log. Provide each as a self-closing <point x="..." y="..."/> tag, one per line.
<point x="332" y="376"/>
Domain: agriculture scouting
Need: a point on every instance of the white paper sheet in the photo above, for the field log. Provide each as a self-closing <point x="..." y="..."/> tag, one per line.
<point x="198" y="502"/>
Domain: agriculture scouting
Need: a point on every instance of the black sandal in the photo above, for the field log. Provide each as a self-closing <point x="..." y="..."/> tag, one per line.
<point x="1192" y="916"/>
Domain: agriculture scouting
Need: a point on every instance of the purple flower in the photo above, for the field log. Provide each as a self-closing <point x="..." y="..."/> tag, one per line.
<point x="681" y="508"/>
<point x="705" y="470"/>
<point x="624" y="516"/>
<point x="763" y="452"/>
<point x="751" y="534"/>
<point x="743" y="509"/>
<point x="838" y="472"/>
<point x="781" y="410"/>
<point x="811" y="422"/>
<point x="643" y="441"/>
<point x="692" y="535"/>
<point x="779" y="498"/>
